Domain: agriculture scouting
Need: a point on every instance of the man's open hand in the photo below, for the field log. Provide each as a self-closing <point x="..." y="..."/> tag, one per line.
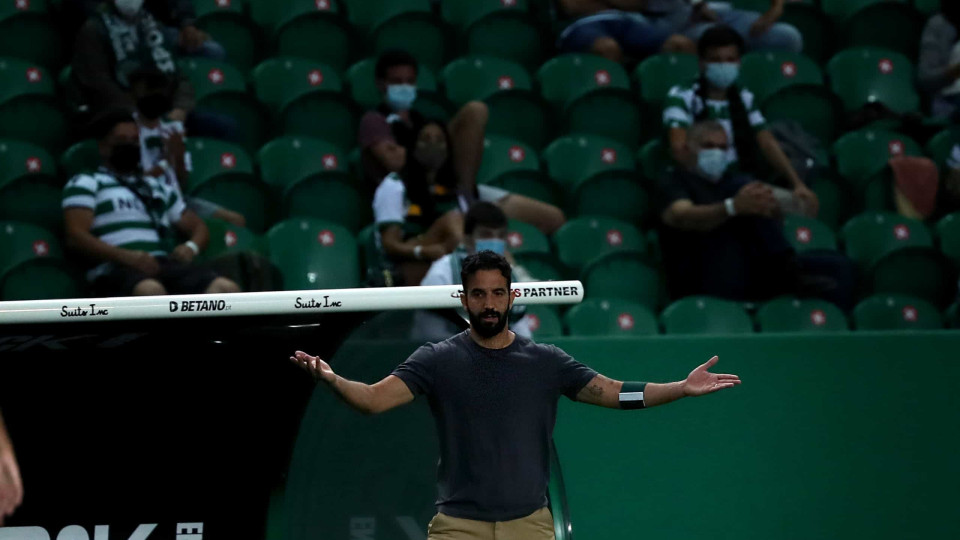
<point x="11" y="488"/>
<point x="316" y="367"/>
<point x="700" y="381"/>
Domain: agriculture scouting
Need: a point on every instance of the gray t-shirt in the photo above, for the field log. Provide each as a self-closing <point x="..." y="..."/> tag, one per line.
<point x="495" y="410"/>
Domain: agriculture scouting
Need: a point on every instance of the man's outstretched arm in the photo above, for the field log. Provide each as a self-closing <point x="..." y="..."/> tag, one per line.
<point x="607" y="392"/>
<point x="367" y="398"/>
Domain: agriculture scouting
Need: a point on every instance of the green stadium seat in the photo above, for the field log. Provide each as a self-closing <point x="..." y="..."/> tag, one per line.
<point x="896" y="312"/>
<point x="808" y="234"/>
<point x="502" y="28"/>
<point x="361" y="78"/>
<point x="30" y="190"/>
<point x="927" y="7"/>
<point x="788" y="314"/>
<point x="572" y="158"/>
<point x="892" y="25"/>
<point x="834" y="199"/>
<point x="661" y="72"/>
<point x="28" y="32"/>
<point x="939" y="146"/>
<point x="227" y="239"/>
<point x="237" y="254"/>
<point x="312" y="179"/>
<point x="863" y="75"/>
<point x="948" y="236"/>
<point x="583" y="239"/>
<point x="655" y="160"/>
<point x="842" y="10"/>
<point x="952" y="315"/>
<point x="515" y="110"/>
<point x="400" y="24"/>
<point x="615" y="194"/>
<point x="315" y="30"/>
<point x="306" y="99"/>
<point x="82" y="156"/>
<point x="221" y="88"/>
<point x="542" y="266"/>
<point x="818" y="31"/>
<point x="313" y="254"/>
<point x="862" y="154"/>
<point x="213" y="159"/>
<point x="544" y="322"/>
<point x="29" y="108"/>
<point x="229" y="25"/>
<point x="705" y="315"/>
<point x="514" y="166"/>
<point x="32" y="265"/>
<point x="897" y="256"/>
<point x="223" y="174"/>
<point x="609" y="318"/>
<point x="767" y="72"/>
<point x="523" y="238"/>
<point x="815" y="108"/>
<point x="623" y="275"/>
<point x="593" y="94"/>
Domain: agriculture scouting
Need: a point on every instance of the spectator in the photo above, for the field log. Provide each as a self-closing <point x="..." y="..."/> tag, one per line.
<point x="179" y="24"/>
<point x="484" y="228"/>
<point x="387" y="137"/>
<point x="718" y="235"/>
<point x="949" y="197"/>
<point x="11" y="487"/>
<point x="939" y="64"/>
<point x="163" y="150"/>
<point x="616" y="29"/>
<point x="716" y="96"/>
<point x="125" y="223"/>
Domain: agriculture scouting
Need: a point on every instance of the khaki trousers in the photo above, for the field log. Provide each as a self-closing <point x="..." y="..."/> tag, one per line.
<point x="536" y="526"/>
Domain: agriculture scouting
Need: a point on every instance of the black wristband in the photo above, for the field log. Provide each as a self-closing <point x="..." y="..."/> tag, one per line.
<point x="631" y="395"/>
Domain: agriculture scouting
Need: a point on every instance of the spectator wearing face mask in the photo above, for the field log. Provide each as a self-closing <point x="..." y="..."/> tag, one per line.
<point x="136" y="233"/>
<point x="162" y="140"/>
<point x="387" y="137"/>
<point x="716" y="96"/>
<point x="938" y="70"/>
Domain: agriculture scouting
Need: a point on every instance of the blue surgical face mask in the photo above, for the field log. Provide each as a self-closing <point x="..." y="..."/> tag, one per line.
<point x="495" y="245"/>
<point x="400" y="97"/>
<point x="712" y="162"/>
<point x="722" y="74"/>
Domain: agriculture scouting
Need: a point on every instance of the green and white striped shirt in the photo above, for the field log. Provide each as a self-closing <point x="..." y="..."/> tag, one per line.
<point x="683" y="105"/>
<point x="119" y="217"/>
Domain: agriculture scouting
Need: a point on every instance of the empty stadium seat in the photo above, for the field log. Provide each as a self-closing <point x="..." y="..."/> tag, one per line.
<point x="808" y="234"/>
<point x="228" y="239"/>
<point x="896" y="312"/>
<point x="223" y="173"/>
<point x="399" y="24"/>
<point x="952" y="316"/>
<point x="578" y="156"/>
<point x="543" y="267"/>
<point x="890" y="24"/>
<point x="502" y="28"/>
<point x="593" y="94"/>
<point x="221" y="88"/>
<point x="544" y="322"/>
<point x="655" y="160"/>
<point x="313" y="254"/>
<point x="660" y="72"/>
<point x="32" y="265"/>
<point x="897" y="256"/>
<point x="237" y="253"/>
<point x="515" y="110"/>
<point x="705" y="315"/>
<point x="614" y="194"/>
<point x="948" y="235"/>
<point x="306" y="99"/>
<point x="767" y="72"/>
<point x="315" y="30"/>
<point x="229" y="25"/>
<point x="788" y="314"/>
<point x="82" y="156"/>
<point x="29" y="108"/>
<point x="623" y="275"/>
<point x="515" y="166"/>
<point x="523" y="238"/>
<point x="818" y="110"/>
<point x="29" y="186"/>
<point x="312" y="179"/>
<point x="863" y="75"/>
<point x="862" y="154"/>
<point x="939" y="146"/>
<point x="28" y="32"/>
<point x="584" y="239"/>
<point x="834" y="199"/>
<point x="610" y="317"/>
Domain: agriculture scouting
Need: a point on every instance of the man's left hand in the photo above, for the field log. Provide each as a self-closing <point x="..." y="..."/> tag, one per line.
<point x="11" y="487"/>
<point x="183" y="254"/>
<point x="808" y="199"/>
<point x="191" y="38"/>
<point x="701" y="382"/>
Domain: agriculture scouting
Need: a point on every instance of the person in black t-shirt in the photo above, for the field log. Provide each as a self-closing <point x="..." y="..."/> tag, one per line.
<point x="493" y="396"/>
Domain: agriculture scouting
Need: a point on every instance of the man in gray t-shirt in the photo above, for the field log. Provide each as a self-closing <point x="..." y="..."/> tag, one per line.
<point x="494" y="397"/>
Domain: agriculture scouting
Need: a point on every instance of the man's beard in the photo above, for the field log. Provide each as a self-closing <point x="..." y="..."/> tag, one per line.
<point x="486" y="329"/>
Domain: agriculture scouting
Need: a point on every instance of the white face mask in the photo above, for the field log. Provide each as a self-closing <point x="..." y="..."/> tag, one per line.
<point x="712" y="163"/>
<point x="128" y="8"/>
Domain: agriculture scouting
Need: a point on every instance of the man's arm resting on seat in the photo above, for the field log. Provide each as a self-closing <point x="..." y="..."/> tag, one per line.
<point x="605" y="392"/>
<point x="367" y="398"/>
<point x="683" y="214"/>
<point x="78" y="222"/>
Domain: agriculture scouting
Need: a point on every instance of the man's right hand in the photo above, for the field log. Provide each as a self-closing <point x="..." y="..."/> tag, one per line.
<point x="142" y="261"/>
<point x="317" y="368"/>
<point x="756" y="199"/>
<point x="11" y="487"/>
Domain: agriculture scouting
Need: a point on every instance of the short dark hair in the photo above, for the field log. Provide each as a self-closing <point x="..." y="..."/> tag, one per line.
<point x="102" y="125"/>
<point x="392" y="58"/>
<point x="720" y="35"/>
<point x="484" y="260"/>
<point x="483" y="214"/>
